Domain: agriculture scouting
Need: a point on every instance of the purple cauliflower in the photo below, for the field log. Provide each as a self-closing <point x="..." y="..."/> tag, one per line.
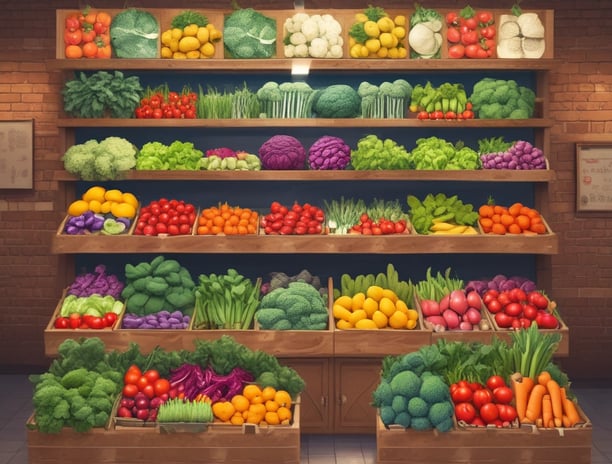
<point x="329" y="152"/>
<point x="282" y="152"/>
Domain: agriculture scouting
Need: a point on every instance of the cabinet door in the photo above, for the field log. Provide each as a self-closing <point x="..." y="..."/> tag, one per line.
<point x="316" y="411"/>
<point x="355" y="381"/>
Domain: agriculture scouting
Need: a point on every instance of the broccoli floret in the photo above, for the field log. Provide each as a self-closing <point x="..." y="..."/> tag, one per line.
<point x="268" y="317"/>
<point x="75" y="378"/>
<point x="498" y="99"/>
<point x="399" y="403"/>
<point x="61" y="410"/>
<point x="446" y="425"/>
<point x="403" y="419"/>
<point x="383" y="395"/>
<point x="266" y="379"/>
<point x="418" y="407"/>
<point x="104" y="386"/>
<point x="440" y="412"/>
<point x="101" y="418"/>
<point x="387" y="415"/>
<point x="406" y="383"/>
<point x="434" y="389"/>
<point x="420" y="423"/>
<point x="336" y="101"/>
<point x="409" y="362"/>
<point x="99" y="403"/>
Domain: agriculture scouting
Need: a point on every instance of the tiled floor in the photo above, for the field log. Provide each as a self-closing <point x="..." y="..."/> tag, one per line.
<point x="15" y="407"/>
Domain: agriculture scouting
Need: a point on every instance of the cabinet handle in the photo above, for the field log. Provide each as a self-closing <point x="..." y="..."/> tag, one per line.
<point x="324" y="401"/>
<point x="341" y="399"/>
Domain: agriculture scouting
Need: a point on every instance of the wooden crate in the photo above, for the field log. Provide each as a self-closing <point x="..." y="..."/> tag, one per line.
<point x="135" y="445"/>
<point x="480" y="445"/>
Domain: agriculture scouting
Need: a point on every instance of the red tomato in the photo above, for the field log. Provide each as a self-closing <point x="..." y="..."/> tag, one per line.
<point x="465" y="412"/>
<point x="504" y="298"/>
<point x="537" y="299"/>
<point x="503" y="395"/>
<point x="130" y="390"/>
<point x="456" y="51"/>
<point x="472" y="22"/>
<point x="96" y="323"/>
<point x="478" y="422"/>
<point x="109" y="319"/>
<point x="149" y="391"/>
<point x="161" y="228"/>
<point x="461" y="394"/>
<point x="506" y="412"/>
<point x="151" y="375"/>
<point x="495" y="381"/>
<point x="161" y="386"/>
<point x="518" y="295"/>
<point x="546" y="320"/>
<point x="488" y="32"/>
<point x="61" y="323"/>
<point x="142" y="382"/>
<point x="184" y="229"/>
<point x="482" y="397"/>
<point x="471" y="50"/>
<point x="530" y="311"/>
<point x="73" y="37"/>
<point x="494" y="306"/>
<point x="516" y="323"/>
<point x="72" y="22"/>
<point x="469" y="38"/>
<point x="451" y="17"/>
<point x="74" y="321"/>
<point x="489" y="412"/>
<point x="514" y="309"/>
<point x="484" y="17"/>
<point x="453" y="35"/>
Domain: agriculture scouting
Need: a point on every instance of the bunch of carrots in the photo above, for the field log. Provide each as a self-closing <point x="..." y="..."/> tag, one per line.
<point x="543" y="403"/>
<point x="516" y="219"/>
<point x="227" y="220"/>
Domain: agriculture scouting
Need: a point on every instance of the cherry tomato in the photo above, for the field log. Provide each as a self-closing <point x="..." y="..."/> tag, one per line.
<point x="461" y="394"/>
<point x="465" y="412"/>
<point x="469" y="38"/>
<point x="96" y="323"/>
<point x="484" y="17"/>
<point x="472" y="22"/>
<point x="151" y="375"/>
<point x="489" y="412"/>
<point x="495" y="381"/>
<point x="503" y="395"/>
<point x="451" y="17"/>
<point x="130" y="390"/>
<point x="131" y="377"/>
<point x="72" y="23"/>
<point x="506" y="412"/>
<point x="74" y="321"/>
<point x="110" y="319"/>
<point x="61" y="323"/>
<point x="488" y="32"/>
<point x="73" y="37"/>
<point x="161" y="386"/>
<point x="149" y="391"/>
<point x="453" y="35"/>
<point x="494" y="306"/>
<point x="482" y="397"/>
<point x="184" y="229"/>
<point x="530" y="311"/>
<point x="142" y="382"/>
<point x="514" y="309"/>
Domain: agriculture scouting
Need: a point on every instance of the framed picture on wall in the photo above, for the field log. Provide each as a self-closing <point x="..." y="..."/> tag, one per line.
<point x="594" y="177"/>
<point x="17" y="154"/>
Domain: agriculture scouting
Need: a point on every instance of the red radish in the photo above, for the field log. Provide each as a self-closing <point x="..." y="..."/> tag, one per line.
<point x="451" y="318"/>
<point x="430" y="308"/>
<point x="436" y="320"/>
<point x="458" y="301"/>
<point x="473" y="299"/>
<point x="445" y="303"/>
<point x="473" y="316"/>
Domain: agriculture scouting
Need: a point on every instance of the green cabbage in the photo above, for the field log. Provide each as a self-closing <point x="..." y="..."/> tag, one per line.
<point x="134" y="34"/>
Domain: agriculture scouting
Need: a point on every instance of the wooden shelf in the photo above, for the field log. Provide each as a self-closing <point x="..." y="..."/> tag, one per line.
<point x="485" y="175"/>
<point x="305" y="123"/>
<point x="286" y="64"/>
<point x="326" y="244"/>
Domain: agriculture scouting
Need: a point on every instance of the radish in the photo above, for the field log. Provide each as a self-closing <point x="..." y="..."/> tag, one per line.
<point x="458" y="301"/>
<point x="451" y="318"/>
<point x="430" y="308"/>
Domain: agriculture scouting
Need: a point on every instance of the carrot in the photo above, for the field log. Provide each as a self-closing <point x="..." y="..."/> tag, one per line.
<point x="554" y="391"/>
<point x="534" y="404"/>
<point x="547" y="413"/>
<point x="522" y="387"/>
<point x="571" y="411"/>
<point x="544" y="377"/>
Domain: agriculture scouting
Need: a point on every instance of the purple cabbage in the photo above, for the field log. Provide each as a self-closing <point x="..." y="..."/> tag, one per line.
<point x="522" y="155"/>
<point x="501" y="283"/>
<point x="222" y="152"/>
<point x="282" y="152"/>
<point x="97" y="282"/>
<point x="195" y="381"/>
<point x="329" y="152"/>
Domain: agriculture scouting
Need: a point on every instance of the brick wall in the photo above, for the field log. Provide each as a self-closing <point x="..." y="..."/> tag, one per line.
<point x="581" y="103"/>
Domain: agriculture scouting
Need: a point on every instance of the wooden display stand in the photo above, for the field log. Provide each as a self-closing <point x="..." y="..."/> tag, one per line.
<point x="219" y="444"/>
<point x="484" y="445"/>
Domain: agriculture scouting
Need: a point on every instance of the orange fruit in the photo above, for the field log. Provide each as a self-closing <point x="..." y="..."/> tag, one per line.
<point x="240" y="403"/>
<point x="272" y="406"/>
<point x="95" y="193"/>
<point x="272" y="418"/>
<point x="268" y="393"/>
<point x="398" y="320"/>
<point x="124" y="210"/>
<point x="284" y="414"/>
<point x="78" y="207"/>
<point x="253" y="393"/>
<point x="375" y="292"/>
<point x="283" y="398"/>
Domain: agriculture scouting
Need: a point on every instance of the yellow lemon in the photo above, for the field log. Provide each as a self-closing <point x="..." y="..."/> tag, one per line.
<point x="386" y="40"/>
<point x="345" y="301"/>
<point x="401" y="305"/>
<point x="411" y="324"/>
<point x="176" y="33"/>
<point x="388" y="293"/>
<point x="355" y="51"/>
<point x="343" y="325"/>
<point x="341" y="313"/>
<point x="94" y="193"/>
<point x="402" y="52"/>
<point x="207" y="50"/>
<point x="370" y="306"/>
<point x="78" y="207"/>
<point x="189" y="43"/>
<point x="399" y="32"/>
<point x="398" y="320"/>
<point x="106" y="207"/>
<point x="413" y="315"/>
<point x="193" y="54"/>
<point x="382" y="52"/>
<point x="385" y="24"/>
<point x="361" y="17"/>
<point x="373" y="45"/>
<point x="371" y="29"/>
<point x="174" y="46"/>
<point x="179" y="56"/>
<point x="375" y="292"/>
<point x="123" y="210"/>
<point x="114" y="195"/>
<point x="191" y="30"/>
<point x="165" y="52"/>
<point x="357" y="316"/>
<point x="380" y="319"/>
<point x="357" y="301"/>
<point x="366" y="324"/>
<point x="203" y="35"/>
<point x="393" y="53"/>
<point x="95" y="206"/>
<point x="166" y="37"/>
<point x="399" y="20"/>
<point x="386" y="306"/>
<point x="130" y="198"/>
